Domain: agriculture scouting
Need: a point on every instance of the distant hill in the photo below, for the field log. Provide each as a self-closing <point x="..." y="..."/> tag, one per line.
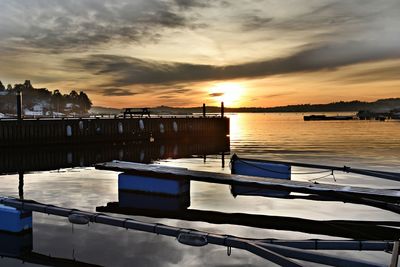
<point x="104" y="110"/>
<point x="161" y="110"/>
<point x="381" y="105"/>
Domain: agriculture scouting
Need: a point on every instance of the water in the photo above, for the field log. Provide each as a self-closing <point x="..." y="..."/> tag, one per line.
<point x="366" y="144"/>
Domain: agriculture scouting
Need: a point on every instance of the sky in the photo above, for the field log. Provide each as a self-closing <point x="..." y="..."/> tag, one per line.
<point x="259" y="53"/>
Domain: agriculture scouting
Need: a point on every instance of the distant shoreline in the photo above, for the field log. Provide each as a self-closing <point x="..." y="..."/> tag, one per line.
<point x="381" y="105"/>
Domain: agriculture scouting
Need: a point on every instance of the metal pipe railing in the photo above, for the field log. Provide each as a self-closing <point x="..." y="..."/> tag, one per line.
<point x="272" y="252"/>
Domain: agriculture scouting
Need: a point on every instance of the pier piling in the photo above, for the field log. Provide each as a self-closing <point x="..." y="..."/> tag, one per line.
<point x="19" y="105"/>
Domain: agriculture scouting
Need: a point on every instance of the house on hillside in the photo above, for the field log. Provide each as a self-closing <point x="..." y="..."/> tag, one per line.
<point x="71" y="107"/>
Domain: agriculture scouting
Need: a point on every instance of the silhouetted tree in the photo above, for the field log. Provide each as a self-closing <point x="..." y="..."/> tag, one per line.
<point x="57" y="100"/>
<point x="19" y="87"/>
<point x="28" y="85"/>
<point x="73" y="95"/>
<point x="84" y="102"/>
<point x="50" y="101"/>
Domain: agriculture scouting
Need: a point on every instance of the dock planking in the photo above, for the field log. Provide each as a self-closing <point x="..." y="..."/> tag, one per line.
<point x="155" y="170"/>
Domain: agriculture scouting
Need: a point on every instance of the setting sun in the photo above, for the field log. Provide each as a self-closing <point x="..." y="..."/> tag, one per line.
<point x="229" y="93"/>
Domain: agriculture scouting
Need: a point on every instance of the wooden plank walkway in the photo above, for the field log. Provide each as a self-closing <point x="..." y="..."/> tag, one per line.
<point x="160" y="171"/>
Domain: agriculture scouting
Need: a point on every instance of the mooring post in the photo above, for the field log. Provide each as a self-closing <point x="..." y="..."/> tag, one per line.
<point x="21" y="185"/>
<point x="204" y="110"/>
<point x="222" y="109"/>
<point x="19" y="105"/>
<point x="395" y="255"/>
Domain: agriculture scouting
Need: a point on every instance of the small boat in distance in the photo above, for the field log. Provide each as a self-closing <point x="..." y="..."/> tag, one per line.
<point x="395" y="114"/>
<point x="327" y="118"/>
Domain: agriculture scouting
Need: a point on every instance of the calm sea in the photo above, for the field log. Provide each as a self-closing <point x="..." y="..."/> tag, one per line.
<point x="364" y="144"/>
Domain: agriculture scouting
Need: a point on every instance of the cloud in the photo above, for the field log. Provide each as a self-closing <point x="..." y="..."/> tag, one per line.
<point x="72" y="26"/>
<point x="216" y="94"/>
<point x="166" y="97"/>
<point x="386" y="71"/>
<point x="277" y="94"/>
<point x="254" y="22"/>
<point x="176" y="90"/>
<point x="188" y="4"/>
<point x="147" y="47"/>
<point x="116" y="92"/>
<point x="125" y="71"/>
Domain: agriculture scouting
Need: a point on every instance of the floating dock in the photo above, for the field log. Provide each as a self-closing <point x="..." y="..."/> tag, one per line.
<point x="47" y="131"/>
<point x="327" y="118"/>
<point x="153" y="170"/>
<point x="281" y="253"/>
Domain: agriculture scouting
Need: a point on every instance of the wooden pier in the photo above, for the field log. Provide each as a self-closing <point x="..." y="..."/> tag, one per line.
<point x="89" y="130"/>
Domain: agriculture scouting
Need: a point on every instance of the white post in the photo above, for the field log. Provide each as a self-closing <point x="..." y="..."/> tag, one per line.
<point x="395" y="254"/>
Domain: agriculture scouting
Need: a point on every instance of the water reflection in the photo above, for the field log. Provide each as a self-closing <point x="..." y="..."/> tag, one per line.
<point x="25" y="160"/>
<point x="28" y="159"/>
<point x="20" y="246"/>
<point x="155" y="202"/>
<point x="15" y="245"/>
<point x="367" y="144"/>
<point x="141" y="202"/>
<point x="371" y="144"/>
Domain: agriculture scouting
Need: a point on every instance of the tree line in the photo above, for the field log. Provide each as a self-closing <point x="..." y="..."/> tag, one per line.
<point x="42" y="99"/>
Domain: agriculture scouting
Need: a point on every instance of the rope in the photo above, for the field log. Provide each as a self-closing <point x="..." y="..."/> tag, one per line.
<point x="324" y="176"/>
<point x="228" y="248"/>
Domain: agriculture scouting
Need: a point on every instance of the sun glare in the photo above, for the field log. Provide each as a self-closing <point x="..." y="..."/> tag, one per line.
<point x="229" y="93"/>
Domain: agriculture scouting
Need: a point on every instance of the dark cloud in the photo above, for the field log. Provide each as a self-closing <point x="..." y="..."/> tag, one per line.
<point x="254" y="22"/>
<point x="177" y="91"/>
<point x="116" y="92"/>
<point x="124" y="71"/>
<point x="332" y="21"/>
<point x="383" y="73"/>
<point x="167" y="19"/>
<point x="278" y="94"/>
<point x="80" y="25"/>
<point x="166" y="96"/>
<point x="155" y="91"/>
<point x="216" y="94"/>
<point x="333" y="16"/>
<point x="187" y="4"/>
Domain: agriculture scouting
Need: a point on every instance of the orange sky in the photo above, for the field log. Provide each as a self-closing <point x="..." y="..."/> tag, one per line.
<point x="185" y="53"/>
